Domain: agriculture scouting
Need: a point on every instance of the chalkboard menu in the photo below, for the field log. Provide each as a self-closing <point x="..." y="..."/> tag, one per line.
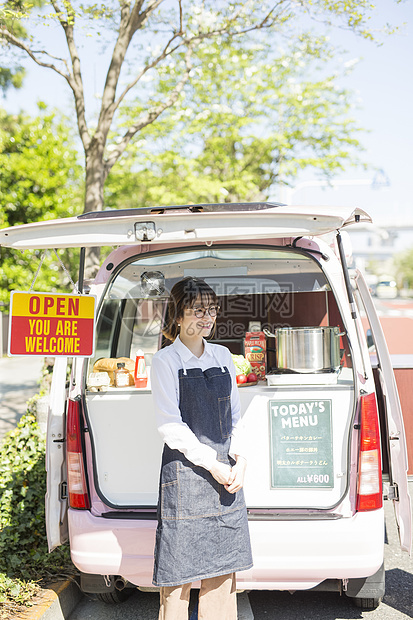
<point x="301" y="444"/>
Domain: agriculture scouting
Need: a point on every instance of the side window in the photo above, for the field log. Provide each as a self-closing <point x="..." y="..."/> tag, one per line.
<point x="126" y="325"/>
<point x="146" y="327"/>
<point x="108" y="323"/>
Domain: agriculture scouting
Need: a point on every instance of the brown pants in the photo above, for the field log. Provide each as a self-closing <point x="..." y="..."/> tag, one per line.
<point x="217" y="600"/>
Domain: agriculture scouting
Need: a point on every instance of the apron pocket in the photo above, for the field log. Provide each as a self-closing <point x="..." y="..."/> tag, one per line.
<point x="225" y="416"/>
<point x="169" y="490"/>
<point x="198" y="493"/>
<point x="169" y="500"/>
<point x="232" y="501"/>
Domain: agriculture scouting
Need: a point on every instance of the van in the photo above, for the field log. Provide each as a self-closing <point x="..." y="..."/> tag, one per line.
<point x="325" y="427"/>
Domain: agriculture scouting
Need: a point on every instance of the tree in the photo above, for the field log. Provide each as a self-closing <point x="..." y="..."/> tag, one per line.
<point x="171" y="29"/>
<point x="11" y="77"/>
<point x="40" y="180"/>
<point x="174" y="28"/>
<point x="12" y="73"/>
<point x="250" y="119"/>
<point x="403" y="263"/>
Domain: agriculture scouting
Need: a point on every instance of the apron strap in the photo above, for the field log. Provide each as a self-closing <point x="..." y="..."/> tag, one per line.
<point x="183" y="366"/>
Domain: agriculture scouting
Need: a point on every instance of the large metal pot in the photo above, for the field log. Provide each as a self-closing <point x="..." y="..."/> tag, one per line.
<point x="307" y="349"/>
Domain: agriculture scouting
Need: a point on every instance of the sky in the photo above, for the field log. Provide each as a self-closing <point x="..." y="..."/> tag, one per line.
<point x="383" y="87"/>
<point x="383" y="83"/>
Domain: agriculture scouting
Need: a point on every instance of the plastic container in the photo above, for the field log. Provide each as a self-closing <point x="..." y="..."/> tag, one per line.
<point x="141" y="375"/>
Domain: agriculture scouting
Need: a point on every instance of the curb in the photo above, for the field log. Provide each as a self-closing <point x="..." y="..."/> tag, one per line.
<point x="55" y="602"/>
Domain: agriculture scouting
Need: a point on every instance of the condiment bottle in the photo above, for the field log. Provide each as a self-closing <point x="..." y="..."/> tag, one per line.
<point x="121" y="375"/>
<point x="141" y="376"/>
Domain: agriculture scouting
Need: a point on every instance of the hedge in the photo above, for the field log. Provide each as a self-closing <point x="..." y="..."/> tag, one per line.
<point x="24" y="559"/>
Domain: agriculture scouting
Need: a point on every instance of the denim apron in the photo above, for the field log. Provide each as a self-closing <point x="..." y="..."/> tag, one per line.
<point x="202" y="529"/>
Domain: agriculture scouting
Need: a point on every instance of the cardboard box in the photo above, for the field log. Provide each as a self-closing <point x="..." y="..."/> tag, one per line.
<point x="255" y="346"/>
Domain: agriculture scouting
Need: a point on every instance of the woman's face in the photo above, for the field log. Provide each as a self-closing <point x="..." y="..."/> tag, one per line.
<point x="193" y="323"/>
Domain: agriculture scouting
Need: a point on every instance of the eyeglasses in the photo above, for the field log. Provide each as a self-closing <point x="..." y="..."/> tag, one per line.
<point x="201" y="312"/>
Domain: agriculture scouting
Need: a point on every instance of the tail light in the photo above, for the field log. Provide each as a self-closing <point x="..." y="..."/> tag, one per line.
<point x="369" y="491"/>
<point x="76" y="478"/>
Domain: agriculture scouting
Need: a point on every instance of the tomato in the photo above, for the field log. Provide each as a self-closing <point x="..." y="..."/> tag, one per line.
<point x="241" y="379"/>
<point x="252" y="377"/>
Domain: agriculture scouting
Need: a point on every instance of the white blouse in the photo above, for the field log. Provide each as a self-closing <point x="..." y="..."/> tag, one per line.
<point x="165" y="391"/>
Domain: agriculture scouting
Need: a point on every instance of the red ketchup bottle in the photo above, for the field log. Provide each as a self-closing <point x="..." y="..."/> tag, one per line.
<point x="141" y="376"/>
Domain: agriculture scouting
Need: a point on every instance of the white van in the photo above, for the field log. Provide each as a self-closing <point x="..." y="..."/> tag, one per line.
<point x="325" y="428"/>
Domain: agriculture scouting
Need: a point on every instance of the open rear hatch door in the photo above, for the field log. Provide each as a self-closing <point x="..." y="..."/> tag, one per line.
<point x="56" y="495"/>
<point x="175" y="225"/>
<point x="398" y="465"/>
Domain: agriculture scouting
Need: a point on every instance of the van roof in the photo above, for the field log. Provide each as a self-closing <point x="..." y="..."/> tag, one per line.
<point x="179" y="223"/>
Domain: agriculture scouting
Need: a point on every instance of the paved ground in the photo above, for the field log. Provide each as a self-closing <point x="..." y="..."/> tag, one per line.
<point x="394" y="307"/>
<point x="19" y="381"/>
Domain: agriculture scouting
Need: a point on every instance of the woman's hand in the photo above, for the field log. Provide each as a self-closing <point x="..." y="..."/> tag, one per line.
<point x="221" y="473"/>
<point x="236" y="480"/>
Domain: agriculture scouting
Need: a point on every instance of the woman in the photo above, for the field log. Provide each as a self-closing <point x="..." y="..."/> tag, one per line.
<point x="202" y="529"/>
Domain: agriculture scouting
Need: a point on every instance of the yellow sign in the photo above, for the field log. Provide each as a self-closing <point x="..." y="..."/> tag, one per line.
<point x="51" y="324"/>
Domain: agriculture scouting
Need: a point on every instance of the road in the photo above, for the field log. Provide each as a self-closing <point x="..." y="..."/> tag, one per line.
<point x="265" y="605"/>
<point x="394" y="307"/>
<point x="19" y="381"/>
<point x="396" y="317"/>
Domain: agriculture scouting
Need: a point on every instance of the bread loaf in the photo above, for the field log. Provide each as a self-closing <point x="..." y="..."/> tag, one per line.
<point x="109" y="365"/>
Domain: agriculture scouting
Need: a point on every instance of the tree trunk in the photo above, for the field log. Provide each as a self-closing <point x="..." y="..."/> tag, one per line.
<point x="95" y="180"/>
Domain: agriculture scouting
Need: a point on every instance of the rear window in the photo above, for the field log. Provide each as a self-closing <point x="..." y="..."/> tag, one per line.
<point x="271" y="287"/>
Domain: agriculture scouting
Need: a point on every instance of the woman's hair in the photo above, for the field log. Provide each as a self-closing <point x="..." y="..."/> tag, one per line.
<point x="183" y="295"/>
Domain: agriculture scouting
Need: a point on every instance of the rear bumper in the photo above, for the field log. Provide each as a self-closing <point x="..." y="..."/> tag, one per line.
<point x="288" y="555"/>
